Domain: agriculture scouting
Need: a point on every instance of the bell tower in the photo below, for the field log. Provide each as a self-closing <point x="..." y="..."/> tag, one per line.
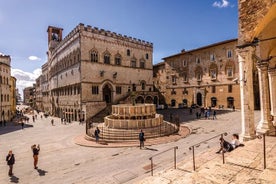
<point x="54" y="37"/>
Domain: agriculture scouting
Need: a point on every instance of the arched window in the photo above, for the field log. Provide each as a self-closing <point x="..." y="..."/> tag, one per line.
<point x="106" y="58"/>
<point x="143" y="85"/>
<point x="213" y="71"/>
<point x="142" y="63"/>
<point x="198" y="73"/>
<point x="94" y="56"/>
<point x="118" y="59"/>
<point x="230" y="69"/>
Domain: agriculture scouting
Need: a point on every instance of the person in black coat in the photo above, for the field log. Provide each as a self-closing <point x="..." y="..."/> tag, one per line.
<point x="141" y="139"/>
<point x="10" y="161"/>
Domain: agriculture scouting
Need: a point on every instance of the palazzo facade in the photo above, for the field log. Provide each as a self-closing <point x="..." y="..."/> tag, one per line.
<point x="91" y="68"/>
<point x="257" y="49"/>
<point x="206" y="77"/>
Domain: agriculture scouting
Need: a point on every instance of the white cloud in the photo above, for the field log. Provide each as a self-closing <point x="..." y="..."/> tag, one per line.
<point x="221" y="4"/>
<point x="25" y="79"/>
<point x="34" y="58"/>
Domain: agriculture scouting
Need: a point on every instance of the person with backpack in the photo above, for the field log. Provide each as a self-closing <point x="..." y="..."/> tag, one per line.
<point x="10" y="161"/>
<point x="35" y="150"/>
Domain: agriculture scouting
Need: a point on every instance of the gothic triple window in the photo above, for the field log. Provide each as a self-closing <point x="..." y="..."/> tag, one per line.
<point x="94" y="56"/>
<point x="229" y="69"/>
<point x="106" y="58"/>
<point x="133" y="63"/>
<point x="118" y="59"/>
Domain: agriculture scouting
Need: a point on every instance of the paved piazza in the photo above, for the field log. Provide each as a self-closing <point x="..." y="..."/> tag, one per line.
<point x="62" y="161"/>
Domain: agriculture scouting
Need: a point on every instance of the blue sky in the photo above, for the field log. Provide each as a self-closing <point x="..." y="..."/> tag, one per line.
<point x="171" y="25"/>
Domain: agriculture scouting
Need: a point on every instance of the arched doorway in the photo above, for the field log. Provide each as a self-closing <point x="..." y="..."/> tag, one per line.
<point x="173" y="103"/>
<point x="149" y="99"/>
<point x="185" y="102"/>
<point x="213" y="101"/>
<point x="139" y="99"/>
<point x="107" y="93"/>
<point x="230" y="102"/>
<point x="199" y="99"/>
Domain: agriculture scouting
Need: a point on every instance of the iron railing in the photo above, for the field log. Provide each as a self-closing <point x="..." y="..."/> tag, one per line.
<point x="174" y="155"/>
<point x="197" y="145"/>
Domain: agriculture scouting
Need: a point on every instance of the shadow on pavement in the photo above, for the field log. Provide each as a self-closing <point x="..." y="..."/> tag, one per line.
<point x="151" y="149"/>
<point x="41" y="172"/>
<point x="14" y="179"/>
<point x="11" y="128"/>
<point x="185" y="116"/>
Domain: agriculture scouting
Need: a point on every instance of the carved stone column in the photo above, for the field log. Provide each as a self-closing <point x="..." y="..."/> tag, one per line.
<point x="272" y="86"/>
<point x="246" y="92"/>
<point x="265" y="122"/>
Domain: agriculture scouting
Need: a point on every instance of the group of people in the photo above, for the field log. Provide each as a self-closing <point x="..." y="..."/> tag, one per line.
<point x="10" y="158"/>
<point x="207" y="113"/>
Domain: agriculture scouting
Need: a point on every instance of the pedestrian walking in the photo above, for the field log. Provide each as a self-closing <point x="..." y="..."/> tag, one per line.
<point x="52" y="122"/>
<point x="141" y="139"/>
<point x="10" y="161"/>
<point x="214" y="114"/>
<point x="35" y="150"/>
<point x="33" y="119"/>
<point x="97" y="134"/>
<point x="22" y="124"/>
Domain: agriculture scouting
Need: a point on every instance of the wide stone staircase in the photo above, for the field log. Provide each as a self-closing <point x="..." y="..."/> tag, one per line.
<point x="131" y="135"/>
<point x="244" y="165"/>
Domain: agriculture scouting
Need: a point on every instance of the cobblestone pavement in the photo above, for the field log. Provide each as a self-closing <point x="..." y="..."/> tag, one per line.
<point x="62" y="161"/>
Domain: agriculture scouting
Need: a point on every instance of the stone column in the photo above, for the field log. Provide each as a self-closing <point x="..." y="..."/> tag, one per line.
<point x="246" y="92"/>
<point x="272" y="86"/>
<point x="265" y="122"/>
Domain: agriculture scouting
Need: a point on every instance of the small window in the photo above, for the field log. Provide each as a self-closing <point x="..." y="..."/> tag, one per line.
<point x="212" y="57"/>
<point x="133" y="63"/>
<point x="213" y="89"/>
<point x="95" y="90"/>
<point x="174" y="79"/>
<point x="128" y="52"/>
<point x="173" y="92"/>
<point x="118" y="90"/>
<point x="230" y="88"/>
<point x="184" y="63"/>
<point x="143" y="85"/>
<point x="197" y="60"/>
<point x="229" y="53"/>
<point x="147" y="56"/>
<point x="185" y="77"/>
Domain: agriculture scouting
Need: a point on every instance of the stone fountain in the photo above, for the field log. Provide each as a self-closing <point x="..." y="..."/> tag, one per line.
<point x="127" y="120"/>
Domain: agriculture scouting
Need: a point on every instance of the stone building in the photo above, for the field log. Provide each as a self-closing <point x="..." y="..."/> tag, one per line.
<point x="5" y="75"/>
<point x="91" y="68"/>
<point x="206" y="76"/>
<point x="257" y="50"/>
<point x="13" y="95"/>
<point x="29" y="96"/>
<point x="38" y="93"/>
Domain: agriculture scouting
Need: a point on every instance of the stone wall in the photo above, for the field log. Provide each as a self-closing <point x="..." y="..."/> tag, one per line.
<point x="251" y="13"/>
